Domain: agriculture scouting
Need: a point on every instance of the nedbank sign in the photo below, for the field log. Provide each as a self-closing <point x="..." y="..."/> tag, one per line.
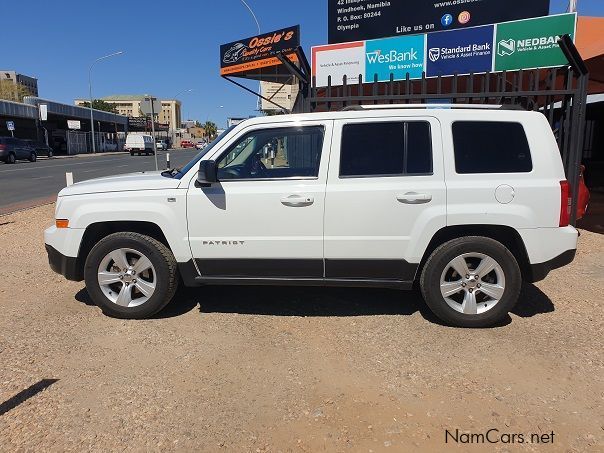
<point x="523" y="44"/>
<point x="532" y="43"/>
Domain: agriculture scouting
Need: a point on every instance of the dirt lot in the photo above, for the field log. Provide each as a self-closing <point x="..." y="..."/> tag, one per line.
<point x="282" y="369"/>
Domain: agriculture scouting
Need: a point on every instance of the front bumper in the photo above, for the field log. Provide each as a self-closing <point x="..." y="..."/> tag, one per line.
<point x="69" y="267"/>
<point x="540" y="271"/>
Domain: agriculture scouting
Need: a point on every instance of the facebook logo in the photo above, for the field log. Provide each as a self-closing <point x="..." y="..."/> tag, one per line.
<point x="446" y="20"/>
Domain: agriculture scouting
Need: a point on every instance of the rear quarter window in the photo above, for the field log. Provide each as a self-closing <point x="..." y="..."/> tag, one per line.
<point x="491" y="147"/>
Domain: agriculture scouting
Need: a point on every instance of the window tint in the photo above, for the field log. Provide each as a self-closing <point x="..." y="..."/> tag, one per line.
<point x="491" y="147"/>
<point x="386" y="149"/>
<point x="274" y="153"/>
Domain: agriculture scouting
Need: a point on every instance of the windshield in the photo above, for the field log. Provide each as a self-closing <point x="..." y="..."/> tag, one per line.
<point x="183" y="171"/>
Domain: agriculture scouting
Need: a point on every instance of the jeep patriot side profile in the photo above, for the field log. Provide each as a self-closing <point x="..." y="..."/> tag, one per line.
<point x="465" y="202"/>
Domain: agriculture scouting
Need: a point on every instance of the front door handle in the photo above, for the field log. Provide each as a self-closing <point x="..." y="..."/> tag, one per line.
<point x="414" y="198"/>
<point x="297" y="201"/>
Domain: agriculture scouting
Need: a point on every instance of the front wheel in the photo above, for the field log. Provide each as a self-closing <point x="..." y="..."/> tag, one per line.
<point x="471" y="282"/>
<point x="130" y="275"/>
<point x="32" y="156"/>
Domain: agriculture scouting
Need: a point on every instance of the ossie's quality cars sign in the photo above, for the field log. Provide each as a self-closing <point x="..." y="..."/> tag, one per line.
<point x="251" y="54"/>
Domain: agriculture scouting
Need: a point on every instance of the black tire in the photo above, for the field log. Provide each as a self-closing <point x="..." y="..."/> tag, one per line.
<point x="11" y="159"/>
<point x="441" y="257"/>
<point x="50" y="154"/>
<point x="32" y="156"/>
<point x="166" y="278"/>
<point x="132" y="154"/>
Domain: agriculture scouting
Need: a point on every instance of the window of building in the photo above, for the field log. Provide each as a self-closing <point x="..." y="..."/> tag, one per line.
<point x="386" y="149"/>
<point x="491" y="147"/>
<point x="274" y="154"/>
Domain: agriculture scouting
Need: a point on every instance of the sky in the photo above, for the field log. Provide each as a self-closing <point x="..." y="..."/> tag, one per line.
<point x="169" y="47"/>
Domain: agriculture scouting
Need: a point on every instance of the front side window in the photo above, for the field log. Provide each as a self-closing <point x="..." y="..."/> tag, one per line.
<point x="292" y="152"/>
<point x="386" y="149"/>
<point x="491" y="147"/>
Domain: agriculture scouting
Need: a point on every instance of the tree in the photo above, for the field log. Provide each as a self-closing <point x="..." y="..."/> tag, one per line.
<point x="99" y="104"/>
<point x="10" y="91"/>
<point x="210" y="129"/>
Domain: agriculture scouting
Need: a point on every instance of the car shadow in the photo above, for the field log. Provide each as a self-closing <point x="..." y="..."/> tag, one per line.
<point x="321" y="302"/>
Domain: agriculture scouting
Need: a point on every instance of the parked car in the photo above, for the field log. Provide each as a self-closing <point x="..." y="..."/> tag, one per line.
<point x="200" y="145"/>
<point x="42" y="149"/>
<point x="187" y="144"/>
<point x="13" y="149"/>
<point x="161" y="145"/>
<point x="464" y="202"/>
<point x="584" y="195"/>
<point x="139" y="144"/>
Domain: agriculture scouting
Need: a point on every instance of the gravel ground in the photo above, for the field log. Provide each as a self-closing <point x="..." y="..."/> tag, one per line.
<point x="291" y="369"/>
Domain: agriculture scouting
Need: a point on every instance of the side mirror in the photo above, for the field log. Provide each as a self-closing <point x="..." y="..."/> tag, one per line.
<point x="207" y="174"/>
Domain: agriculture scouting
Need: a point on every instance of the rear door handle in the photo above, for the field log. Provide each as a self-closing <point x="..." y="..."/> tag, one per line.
<point x="297" y="200"/>
<point x="414" y="198"/>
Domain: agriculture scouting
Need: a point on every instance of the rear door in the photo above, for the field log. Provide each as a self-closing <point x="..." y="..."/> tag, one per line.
<point x="385" y="197"/>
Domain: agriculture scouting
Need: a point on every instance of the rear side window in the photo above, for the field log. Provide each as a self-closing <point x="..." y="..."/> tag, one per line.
<point x="386" y="149"/>
<point x="491" y="147"/>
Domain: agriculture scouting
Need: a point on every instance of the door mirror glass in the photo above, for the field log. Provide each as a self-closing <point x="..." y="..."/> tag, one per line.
<point x="207" y="172"/>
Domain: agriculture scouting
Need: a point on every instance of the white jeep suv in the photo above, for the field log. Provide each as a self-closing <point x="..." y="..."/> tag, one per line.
<point x="464" y="202"/>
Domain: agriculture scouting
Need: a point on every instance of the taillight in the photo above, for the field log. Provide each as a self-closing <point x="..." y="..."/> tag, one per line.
<point x="2" y="147"/>
<point x="565" y="203"/>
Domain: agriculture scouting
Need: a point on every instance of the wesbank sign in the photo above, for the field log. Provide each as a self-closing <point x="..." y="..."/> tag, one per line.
<point x="524" y="44"/>
<point x="398" y="56"/>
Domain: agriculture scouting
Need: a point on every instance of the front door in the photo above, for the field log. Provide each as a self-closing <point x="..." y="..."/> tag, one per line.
<point x="264" y="218"/>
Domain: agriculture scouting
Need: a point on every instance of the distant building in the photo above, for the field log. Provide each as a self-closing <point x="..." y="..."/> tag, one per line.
<point x="130" y="105"/>
<point x="30" y="83"/>
<point x="188" y="124"/>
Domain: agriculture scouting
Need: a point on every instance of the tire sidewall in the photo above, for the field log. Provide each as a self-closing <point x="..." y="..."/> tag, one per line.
<point x="442" y="256"/>
<point x="113" y="242"/>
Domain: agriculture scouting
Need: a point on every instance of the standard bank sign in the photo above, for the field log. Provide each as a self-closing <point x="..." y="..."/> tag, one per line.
<point x="460" y="51"/>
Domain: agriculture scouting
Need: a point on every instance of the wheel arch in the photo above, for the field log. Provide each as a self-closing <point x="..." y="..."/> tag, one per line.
<point x="95" y="232"/>
<point x="506" y="235"/>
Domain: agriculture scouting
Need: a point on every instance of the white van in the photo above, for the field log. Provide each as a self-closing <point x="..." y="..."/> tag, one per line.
<point x="138" y="143"/>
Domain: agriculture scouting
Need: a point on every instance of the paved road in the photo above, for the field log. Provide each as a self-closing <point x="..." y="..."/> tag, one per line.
<point x="25" y="184"/>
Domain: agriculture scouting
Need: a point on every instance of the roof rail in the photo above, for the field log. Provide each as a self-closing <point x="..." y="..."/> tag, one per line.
<point x="432" y="106"/>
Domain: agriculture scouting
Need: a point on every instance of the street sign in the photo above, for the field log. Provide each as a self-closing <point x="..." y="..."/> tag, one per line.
<point x="73" y="124"/>
<point x="355" y="20"/>
<point x="43" y="112"/>
<point x="10" y="125"/>
<point x="151" y="106"/>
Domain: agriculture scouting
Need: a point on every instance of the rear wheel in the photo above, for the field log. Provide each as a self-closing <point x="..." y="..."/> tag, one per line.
<point x="50" y="154"/>
<point x="32" y="156"/>
<point x="471" y="282"/>
<point x="11" y="159"/>
<point x="130" y="275"/>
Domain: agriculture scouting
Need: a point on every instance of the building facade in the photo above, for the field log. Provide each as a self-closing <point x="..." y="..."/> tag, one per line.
<point x="130" y="105"/>
<point x="29" y="83"/>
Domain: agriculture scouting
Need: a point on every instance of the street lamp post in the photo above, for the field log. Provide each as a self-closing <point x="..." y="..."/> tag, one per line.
<point x="257" y="25"/>
<point x="90" y="94"/>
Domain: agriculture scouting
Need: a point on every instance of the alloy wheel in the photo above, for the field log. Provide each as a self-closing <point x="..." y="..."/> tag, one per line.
<point x="127" y="277"/>
<point x="472" y="283"/>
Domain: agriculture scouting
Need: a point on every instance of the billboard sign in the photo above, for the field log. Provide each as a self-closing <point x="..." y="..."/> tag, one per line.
<point x="524" y="44"/>
<point x="460" y="51"/>
<point x="532" y="43"/>
<point x="252" y="54"/>
<point x="74" y="124"/>
<point x="398" y="56"/>
<point x="363" y="20"/>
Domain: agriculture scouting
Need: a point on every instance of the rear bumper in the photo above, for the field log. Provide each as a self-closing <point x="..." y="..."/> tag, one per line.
<point x="540" y="271"/>
<point x="67" y="266"/>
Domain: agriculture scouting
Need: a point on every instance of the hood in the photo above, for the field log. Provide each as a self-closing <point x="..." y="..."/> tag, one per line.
<point x="122" y="183"/>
